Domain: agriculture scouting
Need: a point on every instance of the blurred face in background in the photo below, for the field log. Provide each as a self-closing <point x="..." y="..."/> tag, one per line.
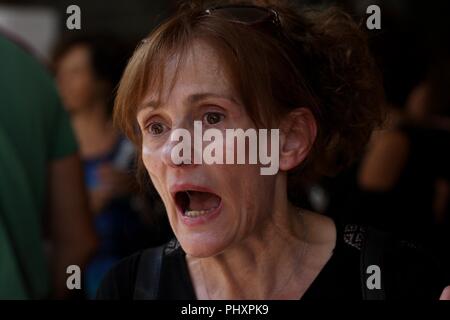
<point x="78" y="86"/>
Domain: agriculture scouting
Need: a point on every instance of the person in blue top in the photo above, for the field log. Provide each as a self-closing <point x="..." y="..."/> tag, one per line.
<point x="87" y="70"/>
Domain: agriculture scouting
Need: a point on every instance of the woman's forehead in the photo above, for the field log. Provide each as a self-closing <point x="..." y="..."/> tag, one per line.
<point x="199" y="70"/>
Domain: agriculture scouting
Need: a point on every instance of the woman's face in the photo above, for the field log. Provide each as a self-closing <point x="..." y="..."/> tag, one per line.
<point x="210" y="207"/>
<point x="75" y="78"/>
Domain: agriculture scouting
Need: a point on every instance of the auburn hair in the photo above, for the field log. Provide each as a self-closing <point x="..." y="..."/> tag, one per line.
<point x="318" y="59"/>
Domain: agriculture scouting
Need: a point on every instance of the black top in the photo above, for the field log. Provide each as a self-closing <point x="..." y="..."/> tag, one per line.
<point x="409" y="273"/>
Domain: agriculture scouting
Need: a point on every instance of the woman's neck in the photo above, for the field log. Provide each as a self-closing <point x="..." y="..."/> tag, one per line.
<point x="278" y="262"/>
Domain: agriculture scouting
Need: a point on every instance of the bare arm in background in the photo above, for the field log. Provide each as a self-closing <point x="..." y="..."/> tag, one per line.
<point x="384" y="161"/>
<point x="72" y="234"/>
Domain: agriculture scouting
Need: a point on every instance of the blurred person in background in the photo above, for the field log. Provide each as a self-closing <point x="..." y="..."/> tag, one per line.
<point x="44" y="213"/>
<point x="394" y="183"/>
<point x="88" y="69"/>
<point x="401" y="181"/>
<point x="409" y="159"/>
<point x="407" y="167"/>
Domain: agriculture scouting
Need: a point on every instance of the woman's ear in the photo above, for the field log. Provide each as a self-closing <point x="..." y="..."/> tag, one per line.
<point x="298" y="131"/>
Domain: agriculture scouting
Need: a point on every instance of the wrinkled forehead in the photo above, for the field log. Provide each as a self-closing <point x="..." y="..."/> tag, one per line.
<point x="198" y="69"/>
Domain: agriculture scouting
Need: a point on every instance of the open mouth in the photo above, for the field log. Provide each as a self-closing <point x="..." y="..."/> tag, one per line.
<point x="195" y="204"/>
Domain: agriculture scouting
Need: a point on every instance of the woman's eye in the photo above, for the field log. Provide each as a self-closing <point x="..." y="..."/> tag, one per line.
<point x="156" y="128"/>
<point x="213" y="117"/>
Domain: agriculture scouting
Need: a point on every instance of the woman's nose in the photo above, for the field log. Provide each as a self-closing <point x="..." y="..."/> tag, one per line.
<point x="178" y="150"/>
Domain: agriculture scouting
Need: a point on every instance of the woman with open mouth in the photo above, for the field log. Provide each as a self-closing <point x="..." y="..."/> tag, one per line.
<point x="238" y="234"/>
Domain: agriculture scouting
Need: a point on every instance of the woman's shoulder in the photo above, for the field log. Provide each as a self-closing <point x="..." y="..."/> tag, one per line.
<point x="124" y="280"/>
<point x="119" y="281"/>
<point x="392" y="268"/>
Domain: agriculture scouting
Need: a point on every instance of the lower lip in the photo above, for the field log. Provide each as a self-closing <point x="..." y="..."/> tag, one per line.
<point x="200" y="220"/>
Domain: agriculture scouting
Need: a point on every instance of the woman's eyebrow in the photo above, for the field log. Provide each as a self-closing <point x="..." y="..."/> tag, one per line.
<point x="146" y="108"/>
<point x="152" y="104"/>
<point x="195" y="98"/>
<point x="190" y="100"/>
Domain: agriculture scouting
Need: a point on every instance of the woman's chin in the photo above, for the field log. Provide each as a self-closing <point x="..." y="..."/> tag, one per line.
<point x="201" y="247"/>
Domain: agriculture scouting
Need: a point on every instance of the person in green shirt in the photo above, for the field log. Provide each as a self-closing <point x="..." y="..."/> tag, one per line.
<point x="41" y="183"/>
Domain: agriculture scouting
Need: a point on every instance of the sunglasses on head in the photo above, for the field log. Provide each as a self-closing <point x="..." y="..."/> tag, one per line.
<point x="246" y="14"/>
